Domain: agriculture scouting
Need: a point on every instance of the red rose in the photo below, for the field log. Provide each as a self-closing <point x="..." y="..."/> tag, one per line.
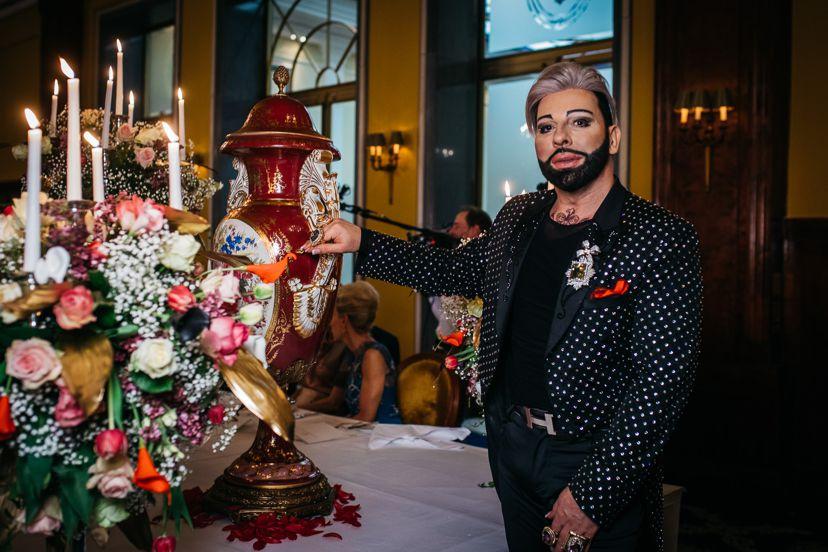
<point x="74" y="310"/>
<point x="216" y="414"/>
<point x="451" y="362"/>
<point x="7" y="427"/>
<point x="180" y="298"/>
<point x="163" y="544"/>
<point x="110" y="443"/>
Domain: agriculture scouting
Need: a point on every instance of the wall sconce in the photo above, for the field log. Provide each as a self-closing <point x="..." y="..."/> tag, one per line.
<point x="706" y="115"/>
<point x="385" y="156"/>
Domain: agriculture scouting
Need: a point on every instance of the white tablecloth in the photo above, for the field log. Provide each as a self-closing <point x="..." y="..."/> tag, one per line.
<point x="411" y="499"/>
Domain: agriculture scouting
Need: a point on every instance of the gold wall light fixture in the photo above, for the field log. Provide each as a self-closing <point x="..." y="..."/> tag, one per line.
<point x="703" y="119"/>
<point x="385" y="156"/>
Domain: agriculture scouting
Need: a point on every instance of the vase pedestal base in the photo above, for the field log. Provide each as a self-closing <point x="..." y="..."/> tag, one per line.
<point x="271" y="477"/>
<point x="245" y="502"/>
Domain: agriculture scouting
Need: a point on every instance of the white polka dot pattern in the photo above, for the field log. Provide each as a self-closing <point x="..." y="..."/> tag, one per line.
<point x="624" y="368"/>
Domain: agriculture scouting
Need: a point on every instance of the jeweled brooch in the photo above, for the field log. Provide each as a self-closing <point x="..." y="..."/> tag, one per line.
<point x="581" y="270"/>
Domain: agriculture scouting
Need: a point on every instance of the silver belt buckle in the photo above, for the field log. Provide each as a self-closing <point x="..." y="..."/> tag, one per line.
<point x="545" y="423"/>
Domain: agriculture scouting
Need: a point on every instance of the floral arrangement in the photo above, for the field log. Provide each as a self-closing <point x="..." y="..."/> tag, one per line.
<point x="463" y="343"/>
<point x="109" y="365"/>
<point x="136" y="162"/>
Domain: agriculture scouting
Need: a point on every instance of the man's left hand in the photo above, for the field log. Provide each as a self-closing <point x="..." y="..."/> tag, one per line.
<point x="567" y="516"/>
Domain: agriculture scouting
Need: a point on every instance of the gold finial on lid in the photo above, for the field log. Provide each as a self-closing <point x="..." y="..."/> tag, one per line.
<point x="281" y="76"/>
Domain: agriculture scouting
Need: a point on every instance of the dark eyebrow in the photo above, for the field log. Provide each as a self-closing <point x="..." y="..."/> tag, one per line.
<point x="571" y="111"/>
<point x="547" y="116"/>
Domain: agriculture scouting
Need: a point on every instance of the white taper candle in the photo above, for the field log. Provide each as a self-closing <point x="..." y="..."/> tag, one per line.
<point x="73" y="156"/>
<point x="31" y="248"/>
<point x="98" y="192"/>
<point x="53" y="118"/>
<point x="175" y="168"/>
<point x="181" y="133"/>
<point x="107" y="112"/>
<point x="119" y="87"/>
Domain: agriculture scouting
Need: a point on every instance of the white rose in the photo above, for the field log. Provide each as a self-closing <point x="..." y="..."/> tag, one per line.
<point x="227" y="286"/>
<point x="148" y="135"/>
<point x="154" y="357"/>
<point x="251" y="314"/>
<point x="20" y="151"/>
<point x="19" y="205"/>
<point x="10" y="292"/>
<point x="9" y="229"/>
<point x="263" y="291"/>
<point x="178" y="253"/>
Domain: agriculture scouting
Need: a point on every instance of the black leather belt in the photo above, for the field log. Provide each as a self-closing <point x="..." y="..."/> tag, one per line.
<point x="535" y="418"/>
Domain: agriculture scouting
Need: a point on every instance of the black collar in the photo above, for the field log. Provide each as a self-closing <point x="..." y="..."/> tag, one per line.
<point x="608" y="215"/>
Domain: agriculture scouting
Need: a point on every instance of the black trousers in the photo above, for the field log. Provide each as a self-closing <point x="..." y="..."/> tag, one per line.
<point x="530" y="469"/>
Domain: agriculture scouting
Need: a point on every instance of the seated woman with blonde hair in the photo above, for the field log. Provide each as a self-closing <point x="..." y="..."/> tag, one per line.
<point x="368" y="386"/>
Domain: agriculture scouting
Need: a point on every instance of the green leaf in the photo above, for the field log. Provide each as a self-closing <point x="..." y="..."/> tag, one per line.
<point x="137" y="530"/>
<point x="10" y="333"/>
<point x="97" y="281"/>
<point x="2" y="373"/>
<point x="122" y="332"/>
<point x="105" y="314"/>
<point x="152" y="385"/>
<point x="178" y="509"/>
<point x="33" y="476"/>
<point x="116" y="399"/>
<point x="76" y="502"/>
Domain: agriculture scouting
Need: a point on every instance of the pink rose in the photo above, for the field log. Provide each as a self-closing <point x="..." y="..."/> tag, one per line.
<point x="32" y="361"/>
<point x="68" y="412"/>
<point x="124" y="132"/>
<point x="113" y="478"/>
<point x="144" y="156"/>
<point x="223" y="339"/>
<point x="74" y="310"/>
<point x="135" y="214"/>
<point x="216" y="414"/>
<point x="47" y="521"/>
<point x="164" y="544"/>
<point x="225" y="285"/>
<point x="110" y="443"/>
<point x="180" y="298"/>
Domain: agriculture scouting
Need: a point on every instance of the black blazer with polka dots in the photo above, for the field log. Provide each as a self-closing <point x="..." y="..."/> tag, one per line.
<point x="621" y="366"/>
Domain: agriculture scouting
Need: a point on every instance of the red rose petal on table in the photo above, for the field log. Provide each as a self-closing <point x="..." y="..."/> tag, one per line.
<point x="333" y="536"/>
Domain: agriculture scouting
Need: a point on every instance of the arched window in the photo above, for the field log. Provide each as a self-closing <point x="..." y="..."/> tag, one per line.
<point x="318" y="40"/>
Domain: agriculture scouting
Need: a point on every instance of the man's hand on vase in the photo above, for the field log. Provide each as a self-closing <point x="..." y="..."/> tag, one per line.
<point x="568" y="517"/>
<point x="339" y="236"/>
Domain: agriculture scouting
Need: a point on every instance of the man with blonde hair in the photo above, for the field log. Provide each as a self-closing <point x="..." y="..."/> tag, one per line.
<point x="590" y="333"/>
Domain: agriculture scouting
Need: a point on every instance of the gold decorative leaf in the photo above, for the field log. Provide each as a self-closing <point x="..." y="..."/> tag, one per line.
<point x="87" y="362"/>
<point x="36" y="300"/>
<point x="253" y="385"/>
<point x="185" y="222"/>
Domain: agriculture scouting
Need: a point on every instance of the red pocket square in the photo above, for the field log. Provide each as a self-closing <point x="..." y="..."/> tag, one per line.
<point x="621" y="287"/>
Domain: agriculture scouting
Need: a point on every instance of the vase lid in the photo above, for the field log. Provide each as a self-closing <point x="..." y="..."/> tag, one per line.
<point x="278" y="121"/>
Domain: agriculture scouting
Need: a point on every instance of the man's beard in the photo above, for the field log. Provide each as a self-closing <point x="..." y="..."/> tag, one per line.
<point x="571" y="180"/>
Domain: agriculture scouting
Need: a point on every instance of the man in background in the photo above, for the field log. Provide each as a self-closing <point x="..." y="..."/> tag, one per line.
<point x="469" y="223"/>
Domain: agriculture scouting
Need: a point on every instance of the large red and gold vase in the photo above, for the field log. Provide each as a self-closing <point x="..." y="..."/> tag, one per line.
<point x="281" y="197"/>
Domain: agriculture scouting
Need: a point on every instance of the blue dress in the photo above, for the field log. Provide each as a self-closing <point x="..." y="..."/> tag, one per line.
<point x="387" y="411"/>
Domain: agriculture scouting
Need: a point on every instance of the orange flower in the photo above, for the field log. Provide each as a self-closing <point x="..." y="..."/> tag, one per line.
<point x="7" y="427"/>
<point x="147" y="477"/>
<point x="455" y="339"/>
<point x="269" y="273"/>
